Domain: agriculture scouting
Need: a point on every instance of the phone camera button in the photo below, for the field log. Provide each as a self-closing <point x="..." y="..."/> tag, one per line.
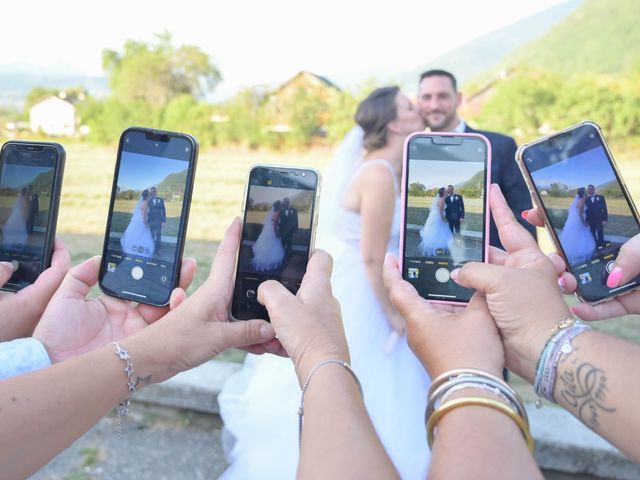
<point x="442" y="275"/>
<point x="163" y="279"/>
<point x="609" y="266"/>
<point x="137" y="273"/>
<point x="250" y="294"/>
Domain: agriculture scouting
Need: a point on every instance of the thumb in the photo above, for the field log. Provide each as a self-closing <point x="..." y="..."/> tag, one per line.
<point x="243" y="333"/>
<point x="627" y="265"/>
<point x="6" y="270"/>
<point x="479" y="276"/>
<point x="80" y="279"/>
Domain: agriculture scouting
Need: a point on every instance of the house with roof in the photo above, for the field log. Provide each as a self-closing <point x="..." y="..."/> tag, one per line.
<point x="53" y="116"/>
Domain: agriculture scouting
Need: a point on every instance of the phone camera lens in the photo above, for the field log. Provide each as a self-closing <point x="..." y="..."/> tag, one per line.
<point x="304" y="174"/>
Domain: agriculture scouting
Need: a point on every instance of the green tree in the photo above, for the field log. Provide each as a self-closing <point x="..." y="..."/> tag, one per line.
<point x="417" y="189"/>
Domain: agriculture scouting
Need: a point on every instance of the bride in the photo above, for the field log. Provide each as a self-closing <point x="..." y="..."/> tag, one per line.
<point x="14" y="232"/>
<point x="268" y="252"/>
<point x="436" y="234"/>
<point x="361" y="215"/>
<point x="137" y="238"/>
<point x="576" y="238"/>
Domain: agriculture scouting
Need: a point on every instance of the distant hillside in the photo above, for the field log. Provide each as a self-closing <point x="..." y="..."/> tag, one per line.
<point x="475" y="57"/>
<point x="172" y="183"/>
<point x="42" y="183"/>
<point x="473" y="186"/>
<point x="600" y="36"/>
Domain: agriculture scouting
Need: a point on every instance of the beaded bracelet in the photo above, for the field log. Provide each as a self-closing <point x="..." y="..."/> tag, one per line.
<point x="319" y="365"/>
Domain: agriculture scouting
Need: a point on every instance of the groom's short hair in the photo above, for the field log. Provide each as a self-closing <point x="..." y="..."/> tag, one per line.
<point x="592" y="186"/>
<point x="436" y="72"/>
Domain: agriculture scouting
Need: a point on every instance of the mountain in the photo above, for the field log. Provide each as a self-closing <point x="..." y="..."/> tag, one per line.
<point x="17" y="80"/>
<point x="599" y="37"/>
<point x="469" y="60"/>
<point x="172" y="183"/>
<point x="472" y="186"/>
<point x="42" y="183"/>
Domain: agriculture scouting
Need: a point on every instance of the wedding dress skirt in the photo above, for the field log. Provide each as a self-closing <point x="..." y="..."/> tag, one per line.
<point x="576" y="238"/>
<point x="268" y="252"/>
<point x="14" y="231"/>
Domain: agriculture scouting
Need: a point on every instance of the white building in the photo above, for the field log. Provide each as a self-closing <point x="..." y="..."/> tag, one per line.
<point x="53" y="116"/>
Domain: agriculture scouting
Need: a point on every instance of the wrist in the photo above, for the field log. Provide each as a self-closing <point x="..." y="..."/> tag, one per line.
<point x="309" y="361"/>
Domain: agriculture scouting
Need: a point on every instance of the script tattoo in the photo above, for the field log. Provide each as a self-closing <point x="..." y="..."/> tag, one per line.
<point x="585" y="390"/>
<point x="143" y="380"/>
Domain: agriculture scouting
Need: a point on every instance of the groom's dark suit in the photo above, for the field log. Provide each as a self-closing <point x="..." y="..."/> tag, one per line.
<point x="454" y="211"/>
<point x="505" y="172"/>
<point x="156" y="216"/>
<point x="287" y="228"/>
<point x="597" y="214"/>
<point x="32" y="213"/>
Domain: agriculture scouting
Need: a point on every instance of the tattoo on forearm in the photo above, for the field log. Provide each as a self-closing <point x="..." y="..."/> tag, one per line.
<point x="142" y="381"/>
<point x="584" y="388"/>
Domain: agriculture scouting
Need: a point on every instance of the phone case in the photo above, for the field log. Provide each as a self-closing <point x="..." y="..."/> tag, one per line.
<point x="184" y="218"/>
<point x="538" y="201"/>
<point x="50" y="235"/>
<point x="314" y="221"/>
<point x="404" y="193"/>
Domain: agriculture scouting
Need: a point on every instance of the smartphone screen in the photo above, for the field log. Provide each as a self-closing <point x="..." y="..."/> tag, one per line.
<point x="30" y="178"/>
<point x="148" y="215"/>
<point x="277" y="234"/>
<point x="445" y="212"/>
<point x="586" y="204"/>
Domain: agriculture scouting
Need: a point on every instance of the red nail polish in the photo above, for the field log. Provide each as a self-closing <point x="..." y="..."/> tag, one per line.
<point x="524" y="214"/>
<point x="614" y="278"/>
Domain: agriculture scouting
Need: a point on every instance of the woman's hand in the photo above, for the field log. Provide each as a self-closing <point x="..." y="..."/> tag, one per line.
<point x="20" y="312"/>
<point x="309" y="324"/>
<point x="521" y="289"/>
<point x="445" y="340"/>
<point x="626" y="268"/>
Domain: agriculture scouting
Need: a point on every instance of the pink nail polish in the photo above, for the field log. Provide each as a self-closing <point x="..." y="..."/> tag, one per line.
<point x="562" y="283"/>
<point x="614" y="278"/>
<point x="524" y="214"/>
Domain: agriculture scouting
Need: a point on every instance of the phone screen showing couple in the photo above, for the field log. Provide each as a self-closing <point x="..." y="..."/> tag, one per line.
<point x="148" y="216"/>
<point x="445" y="212"/>
<point x="586" y="205"/>
<point x="277" y="234"/>
<point x="28" y="198"/>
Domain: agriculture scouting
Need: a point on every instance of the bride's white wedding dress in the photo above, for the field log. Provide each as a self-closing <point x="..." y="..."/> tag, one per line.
<point x="14" y="231"/>
<point x="268" y="252"/>
<point x="137" y="238"/>
<point x="576" y="238"/>
<point x="259" y="404"/>
<point x="435" y="234"/>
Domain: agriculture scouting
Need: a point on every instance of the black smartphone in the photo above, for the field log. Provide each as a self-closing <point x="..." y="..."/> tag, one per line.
<point x="588" y="210"/>
<point x="148" y="214"/>
<point x="280" y="216"/>
<point x="445" y="211"/>
<point x="30" y="184"/>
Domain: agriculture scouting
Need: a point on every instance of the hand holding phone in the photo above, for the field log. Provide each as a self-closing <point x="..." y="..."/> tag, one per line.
<point x="278" y="231"/>
<point x="445" y="212"/>
<point x="584" y="203"/>
<point x="148" y="214"/>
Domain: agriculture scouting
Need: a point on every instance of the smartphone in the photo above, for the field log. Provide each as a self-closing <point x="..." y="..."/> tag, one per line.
<point x="280" y="216"/>
<point x="445" y="211"/>
<point x="588" y="211"/>
<point x="30" y="184"/>
<point x="148" y="213"/>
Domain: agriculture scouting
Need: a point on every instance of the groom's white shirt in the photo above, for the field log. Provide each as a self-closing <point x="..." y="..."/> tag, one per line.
<point x="460" y="127"/>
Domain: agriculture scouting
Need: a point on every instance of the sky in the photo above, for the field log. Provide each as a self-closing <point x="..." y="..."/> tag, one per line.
<point x="18" y="175"/>
<point x="257" y="42"/>
<point x="590" y="167"/>
<point x="138" y="171"/>
<point x="436" y="173"/>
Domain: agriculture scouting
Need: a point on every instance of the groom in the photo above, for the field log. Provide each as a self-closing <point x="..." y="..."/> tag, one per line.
<point x="288" y="226"/>
<point x="597" y="215"/>
<point x="157" y="217"/>
<point x="454" y="210"/>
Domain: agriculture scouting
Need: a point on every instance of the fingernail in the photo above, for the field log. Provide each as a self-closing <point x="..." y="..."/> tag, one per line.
<point x="562" y="283"/>
<point x="614" y="278"/>
<point x="524" y="214"/>
<point x="572" y="310"/>
<point x="10" y="265"/>
<point x="266" y="332"/>
<point x="454" y="274"/>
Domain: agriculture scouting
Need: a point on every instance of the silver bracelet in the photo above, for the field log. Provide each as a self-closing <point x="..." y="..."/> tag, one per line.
<point x="123" y="407"/>
<point x="320" y="364"/>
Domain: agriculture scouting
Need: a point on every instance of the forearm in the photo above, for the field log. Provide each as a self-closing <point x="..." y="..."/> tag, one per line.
<point x="45" y="411"/>
<point x="338" y="438"/>
<point x="598" y="382"/>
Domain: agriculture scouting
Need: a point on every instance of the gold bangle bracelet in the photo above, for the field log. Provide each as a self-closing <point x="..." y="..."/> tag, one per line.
<point x="482" y="402"/>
